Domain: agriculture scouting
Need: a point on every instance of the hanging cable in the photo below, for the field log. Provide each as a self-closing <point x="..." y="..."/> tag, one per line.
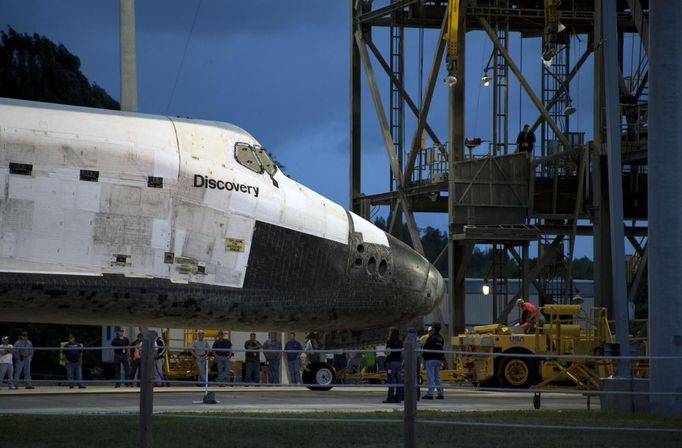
<point x="182" y="60"/>
<point x="520" y="88"/>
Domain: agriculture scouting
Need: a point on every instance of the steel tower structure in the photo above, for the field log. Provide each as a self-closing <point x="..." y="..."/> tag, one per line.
<point x="511" y="200"/>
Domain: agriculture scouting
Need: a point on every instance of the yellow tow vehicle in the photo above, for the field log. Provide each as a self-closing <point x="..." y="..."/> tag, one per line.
<point x="568" y="331"/>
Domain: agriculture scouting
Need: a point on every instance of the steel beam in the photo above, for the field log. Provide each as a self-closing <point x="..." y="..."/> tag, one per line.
<point x="640" y="275"/>
<point x="388" y="140"/>
<point x="641" y="22"/>
<point x="615" y="181"/>
<point x="355" y="100"/>
<point x="456" y="250"/>
<point x="396" y="82"/>
<point x="600" y="204"/>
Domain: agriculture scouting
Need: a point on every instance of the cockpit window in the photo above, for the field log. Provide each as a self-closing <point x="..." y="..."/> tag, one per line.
<point x="268" y="165"/>
<point x="254" y="158"/>
<point x="247" y="157"/>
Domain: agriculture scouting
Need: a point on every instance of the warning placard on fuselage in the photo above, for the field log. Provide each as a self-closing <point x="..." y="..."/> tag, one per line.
<point x="232" y="245"/>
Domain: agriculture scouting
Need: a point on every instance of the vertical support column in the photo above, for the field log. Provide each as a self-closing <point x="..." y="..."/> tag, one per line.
<point x="456" y="257"/>
<point x="147" y="388"/>
<point x="615" y="181"/>
<point x="128" y="58"/>
<point x="603" y="296"/>
<point x="410" y="409"/>
<point x="355" y="115"/>
<point x="665" y="202"/>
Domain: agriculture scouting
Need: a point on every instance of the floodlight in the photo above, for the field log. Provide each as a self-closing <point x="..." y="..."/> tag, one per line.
<point x="569" y="109"/>
<point x="450" y="80"/>
<point x="548" y="55"/>
<point x="485" y="289"/>
<point x="485" y="80"/>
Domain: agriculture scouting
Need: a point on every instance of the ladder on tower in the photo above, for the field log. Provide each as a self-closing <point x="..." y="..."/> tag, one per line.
<point x="500" y="278"/>
<point x="553" y="78"/>
<point x="501" y="85"/>
<point x="396" y="106"/>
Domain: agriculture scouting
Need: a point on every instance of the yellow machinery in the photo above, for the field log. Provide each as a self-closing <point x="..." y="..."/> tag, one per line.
<point x="179" y="363"/>
<point x="567" y="332"/>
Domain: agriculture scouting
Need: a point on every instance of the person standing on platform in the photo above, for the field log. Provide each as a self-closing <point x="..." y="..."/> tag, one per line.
<point x="525" y="140"/>
<point x="121" y="345"/>
<point x="252" y="360"/>
<point x="433" y="358"/>
<point x="23" y="350"/>
<point x="6" y="363"/>
<point x="272" y="349"/>
<point x="293" y="349"/>
<point x="200" y="349"/>
<point x="73" y="352"/>
<point x="394" y="347"/>
<point x="221" y="349"/>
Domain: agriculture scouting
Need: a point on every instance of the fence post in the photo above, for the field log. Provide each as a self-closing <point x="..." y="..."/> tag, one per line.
<point x="410" y="390"/>
<point x="147" y="388"/>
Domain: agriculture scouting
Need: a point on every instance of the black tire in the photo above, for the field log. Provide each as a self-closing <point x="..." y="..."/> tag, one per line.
<point x="319" y="376"/>
<point x="515" y="373"/>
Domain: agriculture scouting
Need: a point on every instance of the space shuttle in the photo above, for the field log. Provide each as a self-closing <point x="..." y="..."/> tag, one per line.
<point x="143" y="220"/>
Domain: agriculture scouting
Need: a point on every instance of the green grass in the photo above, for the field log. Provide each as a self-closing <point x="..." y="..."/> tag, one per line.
<point x="188" y="430"/>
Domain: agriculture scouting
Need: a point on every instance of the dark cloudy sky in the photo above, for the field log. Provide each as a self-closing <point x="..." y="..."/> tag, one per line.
<point x="278" y="69"/>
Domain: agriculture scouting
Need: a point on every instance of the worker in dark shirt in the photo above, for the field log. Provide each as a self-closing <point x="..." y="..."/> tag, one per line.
<point x="394" y="347"/>
<point x="221" y="349"/>
<point x="433" y="358"/>
<point x="159" y="356"/>
<point x="73" y="352"/>
<point x="252" y="360"/>
<point x="121" y="345"/>
<point x="525" y="140"/>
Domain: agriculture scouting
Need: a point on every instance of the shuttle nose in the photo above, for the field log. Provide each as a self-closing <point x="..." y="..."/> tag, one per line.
<point x="421" y="284"/>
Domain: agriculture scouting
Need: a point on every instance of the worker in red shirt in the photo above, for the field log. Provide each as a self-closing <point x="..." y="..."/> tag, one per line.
<point x="530" y="316"/>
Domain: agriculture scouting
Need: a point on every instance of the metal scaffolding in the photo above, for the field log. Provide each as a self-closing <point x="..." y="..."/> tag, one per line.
<point x="508" y="199"/>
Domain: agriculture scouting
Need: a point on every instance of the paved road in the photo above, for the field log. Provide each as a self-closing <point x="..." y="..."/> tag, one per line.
<point x="106" y="399"/>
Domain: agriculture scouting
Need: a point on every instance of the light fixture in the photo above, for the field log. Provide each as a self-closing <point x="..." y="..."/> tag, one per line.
<point x="548" y="54"/>
<point x="569" y="109"/>
<point x="485" y="79"/>
<point x="486" y="288"/>
<point x="547" y="59"/>
<point x="471" y="143"/>
<point x="560" y="27"/>
<point x="577" y="300"/>
<point x="450" y="80"/>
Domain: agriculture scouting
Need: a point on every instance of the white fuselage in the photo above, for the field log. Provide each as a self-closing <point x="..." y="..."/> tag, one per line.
<point x="87" y="192"/>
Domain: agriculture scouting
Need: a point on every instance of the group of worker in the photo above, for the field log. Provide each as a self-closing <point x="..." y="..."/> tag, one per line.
<point x="221" y="351"/>
<point x="128" y="359"/>
<point x="431" y="345"/>
<point x="16" y="360"/>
